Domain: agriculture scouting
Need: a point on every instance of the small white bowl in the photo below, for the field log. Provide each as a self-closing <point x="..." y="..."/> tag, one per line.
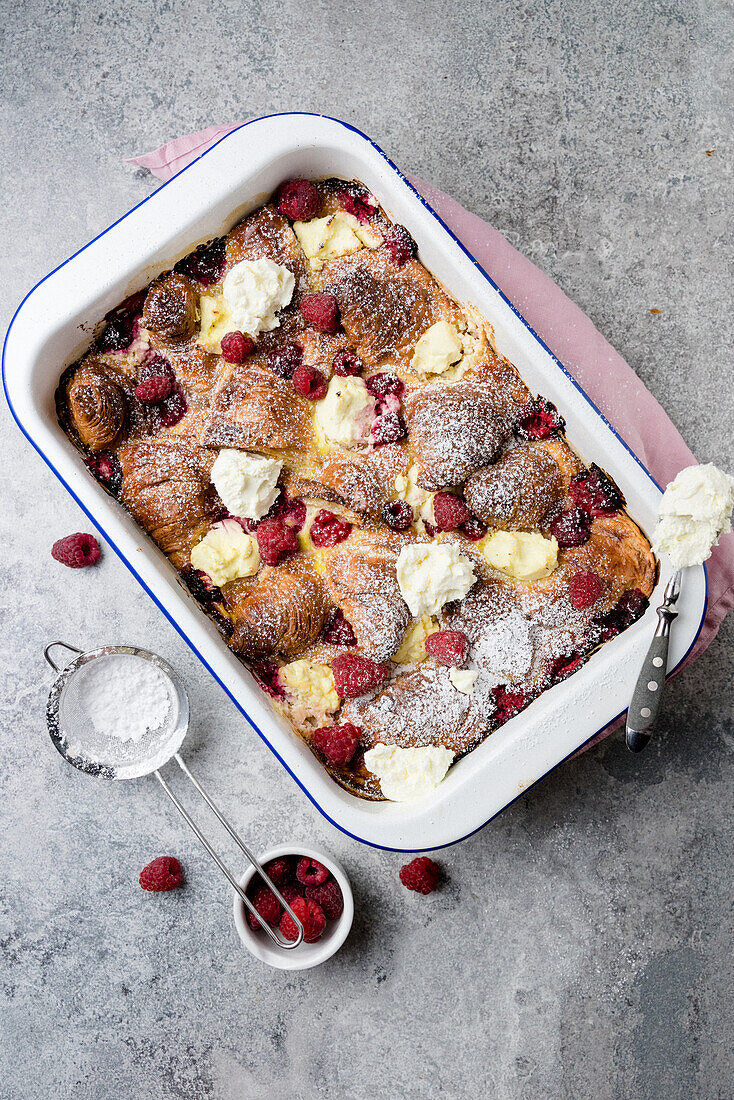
<point x="305" y="955"/>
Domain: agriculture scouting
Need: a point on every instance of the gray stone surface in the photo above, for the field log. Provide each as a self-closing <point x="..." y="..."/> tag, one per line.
<point x="581" y="947"/>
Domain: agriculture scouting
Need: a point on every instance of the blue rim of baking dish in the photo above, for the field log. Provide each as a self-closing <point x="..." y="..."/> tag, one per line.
<point x="159" y="605"/>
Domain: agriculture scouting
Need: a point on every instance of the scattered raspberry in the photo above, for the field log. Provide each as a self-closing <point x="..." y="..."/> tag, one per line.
<point x="310" y="383"/>
<point x="236" y="346"/>
<point x="284" y="360"/>
<point x="106" y="468"/>
<point x="597" y="494"/>
<point x="449" y="512"/>
<point x="571" y="528"/>
<point x="507" y="703"/>
<point x="329" y="896"/>
<point x="449" y="647"/>
<point x="560" y="668"/>
<point x="267" y="675"/>
<point x="267" y="905"/>
<point x="354" y="675"/>
<point x="201" y="587"/>
<point x="337" y="743"/>
<point x="338" y="631"/>
<point x="298" y="200"/>
<point x="310" y="872"/>
<point x="398" y="515"/>
<point x="153" y="390"/>
<point x="321" y="311"/>
<point x="279" y="870"/>
<point x="355" y="200"/>
<point x="77" y="551"/>
<point x="328" y="530"/>
<point x="388" y="428"/>
<point x="584" y="589"/>
<point x="205" y="264"/>
<point x="276" y="541"/>
<point x="311" y="916"/>
<point x="421" y="875"/>
<point x="473" y="529"/>
<point x="400" y="245"/>
<point x="163" y="873"/>
<point x="346" y="363"/>
<point x="539" y="420"/>
<point x="173" y="408"/>
<point x="291" y="891"/>
<point x="291" y="510"/>
<point x="380" y="384"/>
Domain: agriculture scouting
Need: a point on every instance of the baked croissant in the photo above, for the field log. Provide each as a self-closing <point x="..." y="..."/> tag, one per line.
<point x="520" y="492"/>
<point x="456" y="429"/>
<point x="282" y="614"/>
<point x="361" y="578"/>
<point x="96" y="403"/>
<point x="169" y="312"/>
<point x="257" y="410"/>
<point x="355" y="481"/>
<point x="165" y="486"/>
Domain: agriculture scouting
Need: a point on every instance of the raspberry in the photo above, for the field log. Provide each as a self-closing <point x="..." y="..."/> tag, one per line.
<point x="173" y="408"/>
<point x="420" y="875"/>
<point x="507" y="703"/>
<point x="118" y="333"/>
<point x="236" y="346"/>
<point x="76" y="551"/>
<point x="473" y="529"/>
<point x="631" y="605"/>
<point x="562" y="667"/>
<point x="291" y="891"/>
<point x="275" y="540"/>
<point x="106" y="468"/>
<point x="597" y="494"/>
<point x="328" y="530"/>
<point x="449" y="512"/>
<point x="157" y="366"/>
<point x="539" y="420"/>
<point x="398" y="515"/>
<point x="571" y="528"/>
<point x="205" y="264"/>
<point x="400" y="245"/>
<point x="310" y="383"/>
<point x="355" y="200"/>
<point x="321" y="311"/>
<point x="311" y="916"/>
<point x="291" y="510"/>
<point x="267" y="675"/>
<point x="388" y="428"/>
<point x="346" y="363"/>
<point x="337" y="743"/>
<point x="279" y="870"/>
<point x="354" y="675"/>
<point x="380" y="384"/>
<point x="201" y="587"/>
<point x="449" y="647"/>
<point x="329" y="896"/>
<point x="584" y="589"/>
<point x="163" y="873"/>
<point x="338" y="631"/>
<point x="431" y="531"/>
<point x="298" y="200"/>
<point x="267" y="905"/>
<point x="310" y="872"/>
<point x="154" y="390"/>
<point x="284" y="360"/>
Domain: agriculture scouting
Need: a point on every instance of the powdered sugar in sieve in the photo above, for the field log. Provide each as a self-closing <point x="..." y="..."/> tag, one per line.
<point x="124" y="697"/>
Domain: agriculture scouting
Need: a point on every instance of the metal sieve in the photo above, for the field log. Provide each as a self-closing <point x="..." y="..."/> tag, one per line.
<point x="81" y="744"/>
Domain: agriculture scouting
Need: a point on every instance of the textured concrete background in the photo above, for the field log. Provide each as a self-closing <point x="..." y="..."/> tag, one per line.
<point x="582" y="946"/>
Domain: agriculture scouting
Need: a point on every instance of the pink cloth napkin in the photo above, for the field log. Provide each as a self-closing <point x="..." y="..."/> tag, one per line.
<point x="607" y="379"/>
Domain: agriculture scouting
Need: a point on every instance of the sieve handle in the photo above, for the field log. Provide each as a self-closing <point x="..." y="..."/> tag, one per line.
<point x="49" y="658"/>
<point x="287" y="945"/>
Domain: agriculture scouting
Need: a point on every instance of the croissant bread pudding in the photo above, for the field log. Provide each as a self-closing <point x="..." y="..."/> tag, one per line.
<point x="388" y="529"/>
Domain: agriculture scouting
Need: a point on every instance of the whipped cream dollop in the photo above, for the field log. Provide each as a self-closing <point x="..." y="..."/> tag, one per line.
<point x="406" y="774"/>
<point x="345" y="414"/>
<point x="695" y="511"/>
<point x="254" y="291"/>
<point x="524" y="555"/>
<point x="432" y="574"/>
<point x="226" y="552"/>
<point x="246" y="483"/>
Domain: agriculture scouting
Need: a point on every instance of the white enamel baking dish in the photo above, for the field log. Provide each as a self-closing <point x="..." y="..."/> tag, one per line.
<point x="52" y="327"/>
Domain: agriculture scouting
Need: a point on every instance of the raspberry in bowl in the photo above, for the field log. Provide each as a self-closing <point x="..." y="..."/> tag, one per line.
<point x="326" y="907"/>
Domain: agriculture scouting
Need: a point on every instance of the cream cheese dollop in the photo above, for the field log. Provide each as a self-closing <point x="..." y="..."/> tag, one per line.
<point x="312" y="683"/>
<point x="438" y="349"/>
<point x="345" y="414"/>
<point x="406" y="774"/>
<point x="524" y="555"/>
<point x="695" y="511"/>
<point x="432" y="574"/>
<point x="463" y="679"/>
<point x="246" y="483"/>
<point x="335" y="235"/>
<point x="226" y="553"/>
<point x="254" y="291"/>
